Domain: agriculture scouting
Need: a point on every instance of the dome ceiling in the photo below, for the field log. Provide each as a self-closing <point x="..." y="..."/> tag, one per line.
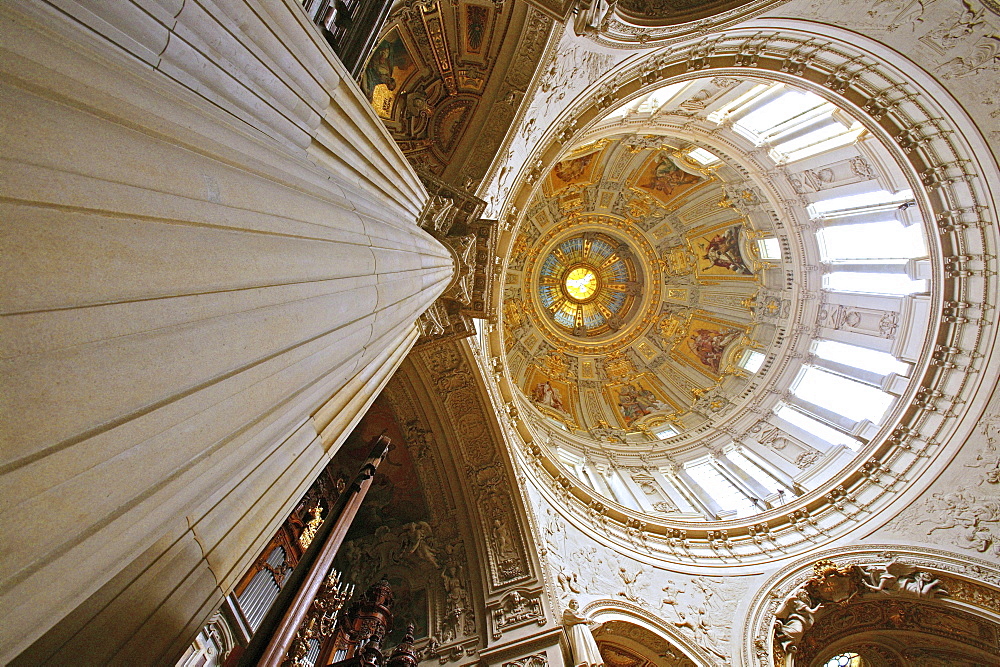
<point x="632" y="287"/>
<point x="714" y="302"/>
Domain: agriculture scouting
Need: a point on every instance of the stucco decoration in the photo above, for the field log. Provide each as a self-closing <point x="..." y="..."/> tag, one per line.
<point x="464" y="476"/>
<point x="670" y="308"/>
<point x="962" y="509"/>
<point x="636" y="23"/>
<point x="788" y="614"/>
<point x="628" y="644"/>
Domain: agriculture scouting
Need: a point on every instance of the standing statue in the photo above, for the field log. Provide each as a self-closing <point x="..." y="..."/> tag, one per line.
<point x="581" y="640"/>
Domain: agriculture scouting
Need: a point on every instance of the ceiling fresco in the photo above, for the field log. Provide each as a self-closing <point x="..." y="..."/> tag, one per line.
<point x="442" y="72"/>
<point x="631" y="289"/>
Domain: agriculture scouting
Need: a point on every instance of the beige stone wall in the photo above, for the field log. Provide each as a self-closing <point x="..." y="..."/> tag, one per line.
<point x="207" y="239"/>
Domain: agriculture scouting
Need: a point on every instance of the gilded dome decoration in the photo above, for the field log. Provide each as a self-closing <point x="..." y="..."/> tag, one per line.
<point x="588" y="284"/>
<point x="684" y="344"/>
<point x="640" y="276"/>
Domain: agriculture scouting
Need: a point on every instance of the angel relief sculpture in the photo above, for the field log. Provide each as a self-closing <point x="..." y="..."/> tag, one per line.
<point x="834" y="585"/>
<point x="900" y="577"/>
<point x="795" y="617"/>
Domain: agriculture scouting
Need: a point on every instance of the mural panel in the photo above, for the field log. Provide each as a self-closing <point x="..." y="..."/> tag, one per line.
<point x="386" y="73"/>
<point x="720" y="252"/>
<point x="705" y="342"/>
<point x="552" y="394"/>
<point x="664" y="180"/>
<point x="575" y="170"/>
<point x="634" y="400"/>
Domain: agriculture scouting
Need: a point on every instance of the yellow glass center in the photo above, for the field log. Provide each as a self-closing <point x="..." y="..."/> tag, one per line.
<point x="581" y="283"/>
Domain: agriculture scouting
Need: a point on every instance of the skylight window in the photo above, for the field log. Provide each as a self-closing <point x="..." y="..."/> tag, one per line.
<point x="815" y="427"/>
<point x="888" y="239"/>
<point x="753" y="470"/>
<point x="720" y="113"/>
<point x="843" y="138"/>
<point x="657" y="98"/>
<point x="873" y="283"/>
<point x="722" y="491"/>
<point x="859" y="357"/>
<point x="846" y="397"/>
<point x="769" y="248"/>
<point x="821" y="133"/>
<point x="752" y="360"/>
<point x="665" y="431"/>
<point x="859" y="201"/>
<point x="779" y="110"/>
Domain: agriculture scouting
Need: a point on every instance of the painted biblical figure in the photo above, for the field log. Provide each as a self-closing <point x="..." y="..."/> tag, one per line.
<point x="637" y="402"/>
<point x="709" y="345"/>
<point x="545" y="394"/>
<point x="665" y="180"/>
<point x="722" y="250"/>
<point x="573" y="170"/>
<point x="388" y="67"/>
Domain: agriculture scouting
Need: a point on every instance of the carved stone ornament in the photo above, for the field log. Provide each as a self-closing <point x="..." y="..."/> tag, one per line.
<point x="536" y="660"/>
<point x="514" y="610"/>
<point x="832" y="585"/>
<point x="834" y="69"/>
<point x="451" y="215"/>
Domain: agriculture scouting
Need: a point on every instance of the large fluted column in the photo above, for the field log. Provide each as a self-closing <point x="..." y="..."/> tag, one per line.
<point x="208" y="237"/>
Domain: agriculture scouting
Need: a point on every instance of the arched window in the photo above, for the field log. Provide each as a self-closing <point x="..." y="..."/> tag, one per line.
<point x="848" y="659"/>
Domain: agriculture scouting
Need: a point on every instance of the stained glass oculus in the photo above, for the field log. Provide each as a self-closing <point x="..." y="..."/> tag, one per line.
<point x="588" y="284"/>
<point x="581" y="283"/>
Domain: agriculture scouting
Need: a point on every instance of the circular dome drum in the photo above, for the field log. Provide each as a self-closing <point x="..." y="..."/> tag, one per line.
<point x="704" y="300"/>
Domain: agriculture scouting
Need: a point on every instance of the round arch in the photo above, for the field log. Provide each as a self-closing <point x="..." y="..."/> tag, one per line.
<point x="924" y="593"/>
<point x="633" y="624"/>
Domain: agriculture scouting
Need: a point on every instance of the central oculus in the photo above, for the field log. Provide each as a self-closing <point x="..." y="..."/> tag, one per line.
<point x="581" y="283"/>
<point x="587" y="284"/>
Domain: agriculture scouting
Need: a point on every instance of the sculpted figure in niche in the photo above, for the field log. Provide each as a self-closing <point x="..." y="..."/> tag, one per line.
<point x="581" y="640"/>
<point x="504" y="540"/>
<point x="456" y="597"/>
